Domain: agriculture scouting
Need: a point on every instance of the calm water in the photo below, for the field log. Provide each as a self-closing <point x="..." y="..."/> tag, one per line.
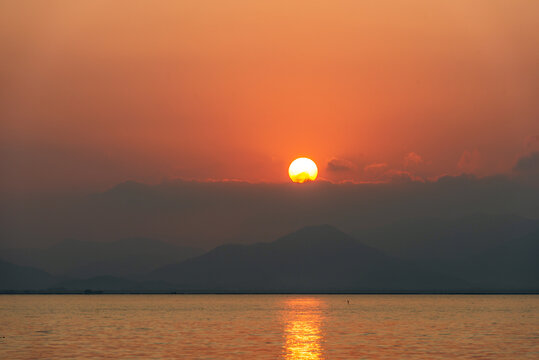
<point x="269" y="327"/>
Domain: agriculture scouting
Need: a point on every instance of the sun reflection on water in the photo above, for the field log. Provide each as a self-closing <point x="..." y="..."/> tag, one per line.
<point x="302" y="331"/>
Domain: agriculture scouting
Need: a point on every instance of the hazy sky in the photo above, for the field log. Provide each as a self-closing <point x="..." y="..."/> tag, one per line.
<point x="93" y="93"/>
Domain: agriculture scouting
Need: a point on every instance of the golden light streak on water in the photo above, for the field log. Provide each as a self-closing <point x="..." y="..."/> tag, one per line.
<point x="303" y="329"/>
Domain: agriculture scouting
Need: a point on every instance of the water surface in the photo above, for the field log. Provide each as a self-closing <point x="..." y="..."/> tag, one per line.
<point x="269" y="326"/>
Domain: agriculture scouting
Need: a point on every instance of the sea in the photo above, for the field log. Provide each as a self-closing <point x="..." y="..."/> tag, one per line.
<point x="269" y="326"/>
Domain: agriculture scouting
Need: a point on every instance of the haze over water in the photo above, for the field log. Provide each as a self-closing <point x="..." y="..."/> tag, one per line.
<point x="269" y="326"/>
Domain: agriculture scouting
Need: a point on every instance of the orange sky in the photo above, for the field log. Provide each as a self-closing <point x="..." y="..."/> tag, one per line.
<point x="93" y="93"/>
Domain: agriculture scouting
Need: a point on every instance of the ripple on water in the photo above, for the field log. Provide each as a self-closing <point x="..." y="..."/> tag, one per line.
<point x="269" y="326"/>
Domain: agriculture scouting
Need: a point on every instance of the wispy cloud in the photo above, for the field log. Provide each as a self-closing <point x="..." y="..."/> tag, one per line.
<point x="340" y="165"/>
<point x="412" y="158"/>
<point x="469" y="161"/>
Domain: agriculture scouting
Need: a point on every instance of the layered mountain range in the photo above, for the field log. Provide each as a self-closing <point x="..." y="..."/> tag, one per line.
<point x="480" y="253"/>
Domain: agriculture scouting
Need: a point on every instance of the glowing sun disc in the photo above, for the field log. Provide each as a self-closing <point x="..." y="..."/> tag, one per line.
<point x="302" y="169"/>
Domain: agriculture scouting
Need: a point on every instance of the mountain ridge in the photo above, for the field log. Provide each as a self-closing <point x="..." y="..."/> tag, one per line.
<point x="80" y="258"/>
<point x="319" y="258"/>
<point x="312" y="258"/>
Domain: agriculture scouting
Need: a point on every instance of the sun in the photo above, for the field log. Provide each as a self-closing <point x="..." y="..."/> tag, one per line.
<point x="302" y="169"/>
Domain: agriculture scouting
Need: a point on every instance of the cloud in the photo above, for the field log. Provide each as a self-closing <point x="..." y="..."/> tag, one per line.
<point x="375" y="167"/>
<point x="469" y="161"/>
<point x="376" y="172"/>
<point x="340" y="165"/>
<point x="399" y="176"/>
<point x="412" y="158"/>
<point x="528" y="163"/>
<point x="379" y="172"/>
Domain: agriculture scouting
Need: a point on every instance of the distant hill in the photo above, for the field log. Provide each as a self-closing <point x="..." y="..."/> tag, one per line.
<point x="83" y="259"/>
<point x="494" y="252"/>
<point x="15" y="277"/>
<point x="436" y="239"/>
<point x="317" y="258"/>
<point x="23" y="278"/>
<point x="111" y="284"/>
<point x="479" y="253"/>
<point x="511" y="265"/>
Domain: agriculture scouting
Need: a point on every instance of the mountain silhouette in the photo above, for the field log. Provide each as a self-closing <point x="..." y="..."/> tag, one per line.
<point x="491" y="252"/>
<point x="111" y="284"/>
<point x="312" y="259"/>
<point x="436" y="239"/>
<point x="316" y="258"/>
<point x="512" y="265"/>
<point x="15" y="277"/>
<point x="84" y="259"/>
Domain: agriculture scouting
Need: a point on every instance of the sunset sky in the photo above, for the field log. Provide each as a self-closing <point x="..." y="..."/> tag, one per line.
<point x="94" y="93"/>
